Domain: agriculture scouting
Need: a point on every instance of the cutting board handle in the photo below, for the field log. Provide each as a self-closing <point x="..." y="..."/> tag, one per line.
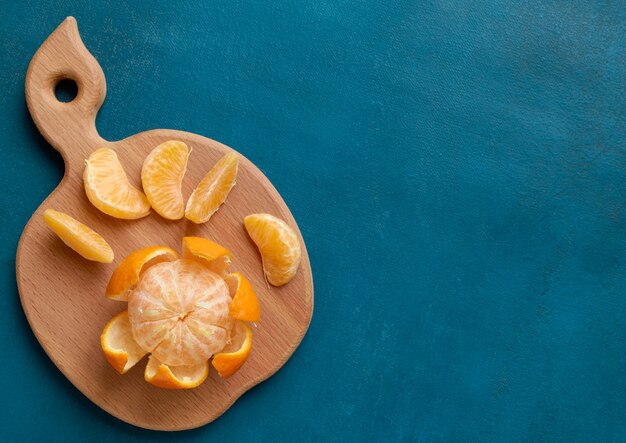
<point x="68" y="126"/>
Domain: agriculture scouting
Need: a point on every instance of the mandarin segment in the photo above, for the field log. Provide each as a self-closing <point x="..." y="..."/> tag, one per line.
<point x="127" y="274"/>
<point x="278" y="244"/>
<point x="235" y="353"/>
<point x="162" y="176"/>
<point x="82" y="239"/>
<point x="212" y="190"/>
<point x="118" y="344"/>
<point x="108" y="189"/>
<point x="245" y="305"/>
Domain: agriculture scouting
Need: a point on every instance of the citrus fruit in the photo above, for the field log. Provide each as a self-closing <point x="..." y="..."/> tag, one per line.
<point x="245" y="305"/>
<point x="162" y="176"/>
<point x="213" y="189"/>
<point x="278" y="245"/>
<point x="175" y="377"/>
<point x="182" y="312"/>
<point x="126" y="275"/>
<point x="214" y="256"/>
<point x="108" y="189"/>
<point x="235" y="354"/>
<point x="118" y="344"/>
<point x="179" y="311"/>
<point x="82" y="239"/>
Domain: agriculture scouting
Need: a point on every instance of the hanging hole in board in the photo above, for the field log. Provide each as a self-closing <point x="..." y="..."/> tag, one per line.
<point x="66" y="90"/>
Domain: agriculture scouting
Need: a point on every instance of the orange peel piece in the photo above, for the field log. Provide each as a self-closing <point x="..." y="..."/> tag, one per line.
<point x="245" y="304"/>
<point x="127" y="274"/>
<point x="118" y="344"/>
<point x="175" y="377"/>
<point x="235" y="354"/>
<point x="210" y="254"/>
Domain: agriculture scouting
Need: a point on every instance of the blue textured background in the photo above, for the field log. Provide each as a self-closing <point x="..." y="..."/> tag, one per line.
<point x="457" y="169"/>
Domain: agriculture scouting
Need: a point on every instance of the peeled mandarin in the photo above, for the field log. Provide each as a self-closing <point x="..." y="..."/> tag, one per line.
<point x="179" y="311"/>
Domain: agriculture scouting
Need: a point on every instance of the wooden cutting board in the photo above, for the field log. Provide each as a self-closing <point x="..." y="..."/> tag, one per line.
<point x="63" y="294"/>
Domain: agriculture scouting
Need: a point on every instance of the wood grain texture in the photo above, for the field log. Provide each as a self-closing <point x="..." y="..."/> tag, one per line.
<point x="63" y="295"/>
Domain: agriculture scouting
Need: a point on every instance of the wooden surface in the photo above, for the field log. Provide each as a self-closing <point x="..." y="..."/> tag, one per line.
<point x="62" y="293"/>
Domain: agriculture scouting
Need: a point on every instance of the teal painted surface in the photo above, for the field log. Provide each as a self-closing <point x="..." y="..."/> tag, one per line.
<point x="457" y="169"/>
